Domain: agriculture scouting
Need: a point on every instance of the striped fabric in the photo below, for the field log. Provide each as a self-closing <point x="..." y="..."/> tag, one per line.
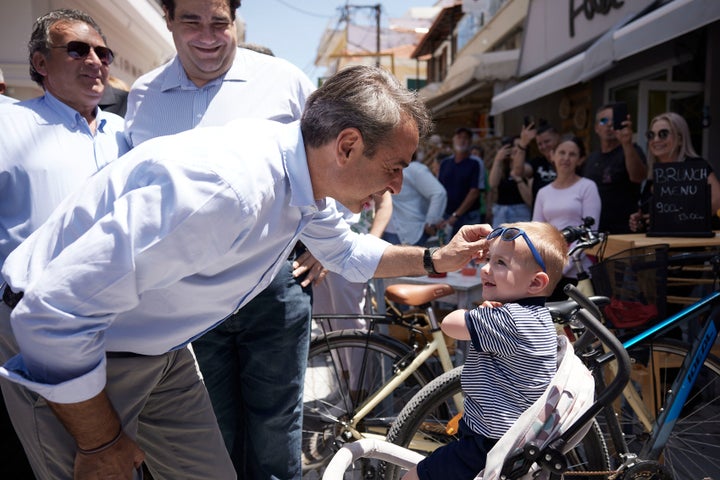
<point x="512" y="358"/>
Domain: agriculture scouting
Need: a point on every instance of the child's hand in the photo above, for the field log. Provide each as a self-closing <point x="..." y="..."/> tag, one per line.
<point x="491" y="304"/>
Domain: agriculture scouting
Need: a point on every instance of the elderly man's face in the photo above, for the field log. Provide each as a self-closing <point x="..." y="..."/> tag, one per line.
<point x="77" y="82"/>
<point x="205" y="38"/>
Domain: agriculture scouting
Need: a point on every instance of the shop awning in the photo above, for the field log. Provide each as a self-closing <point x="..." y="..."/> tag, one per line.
<point x="659" y="26"/>
<point x="469" y="73"/>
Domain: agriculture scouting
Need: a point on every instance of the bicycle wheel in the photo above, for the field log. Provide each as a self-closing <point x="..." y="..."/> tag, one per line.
<point x="421" y="426"/>
<point x="344" y="368"/>
<point x="693" y="448"/>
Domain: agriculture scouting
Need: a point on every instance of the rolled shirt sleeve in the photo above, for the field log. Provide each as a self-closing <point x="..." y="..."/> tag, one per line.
<point x="161" y="246"/>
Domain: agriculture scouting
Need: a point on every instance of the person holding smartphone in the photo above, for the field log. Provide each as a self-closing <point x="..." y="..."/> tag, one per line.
<point x="669" y="141"/>
<point x="617" y="168"/>
<point x="504" y="181"/>
<point x="543" y="173"/>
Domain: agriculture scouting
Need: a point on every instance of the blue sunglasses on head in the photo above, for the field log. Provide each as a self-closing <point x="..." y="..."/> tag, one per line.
<point x="509" y="234"/>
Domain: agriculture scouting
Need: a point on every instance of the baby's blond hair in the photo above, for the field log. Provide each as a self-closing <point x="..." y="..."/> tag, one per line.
<point x="550" y="244"/>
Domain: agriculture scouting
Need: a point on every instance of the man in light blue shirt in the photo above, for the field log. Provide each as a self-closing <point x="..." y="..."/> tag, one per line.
<point x="160" y="246"/>
<point x="418" y="207"/>
<point x="211" y="81"/>
<point x="48" y="147"/>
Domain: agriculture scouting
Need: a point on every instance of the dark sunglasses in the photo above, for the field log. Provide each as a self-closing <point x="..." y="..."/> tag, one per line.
<point x="78" y="50"/>
<point x="662" y="134"/>
<point x="604" y="121"/>
<point x="509" y="234"/>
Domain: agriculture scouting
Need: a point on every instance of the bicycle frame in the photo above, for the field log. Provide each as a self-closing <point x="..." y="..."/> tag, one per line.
<point x="663" y="425"/>
<point x="437" y="344"/>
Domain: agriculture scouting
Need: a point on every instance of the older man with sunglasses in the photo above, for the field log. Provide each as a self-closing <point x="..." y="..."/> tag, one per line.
<point x="48" y="146"/>
<point x="617" y="169"/>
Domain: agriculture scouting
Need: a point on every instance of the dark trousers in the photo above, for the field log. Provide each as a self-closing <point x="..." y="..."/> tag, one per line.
<point x="253" y="365"/>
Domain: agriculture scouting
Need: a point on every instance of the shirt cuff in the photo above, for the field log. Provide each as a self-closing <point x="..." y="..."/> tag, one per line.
<point x="74" y="390"/>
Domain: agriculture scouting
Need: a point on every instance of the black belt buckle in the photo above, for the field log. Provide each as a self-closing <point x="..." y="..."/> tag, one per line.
<point x="11" y="298"/>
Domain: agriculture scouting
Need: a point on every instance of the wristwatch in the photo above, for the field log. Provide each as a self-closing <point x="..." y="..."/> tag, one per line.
<point x="428" y="261"/>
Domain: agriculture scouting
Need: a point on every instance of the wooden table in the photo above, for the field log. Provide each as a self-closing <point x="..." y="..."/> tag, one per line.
<point x="618" y="243"/>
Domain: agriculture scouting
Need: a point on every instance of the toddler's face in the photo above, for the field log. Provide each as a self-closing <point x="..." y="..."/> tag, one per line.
<point x="509" y="270"/>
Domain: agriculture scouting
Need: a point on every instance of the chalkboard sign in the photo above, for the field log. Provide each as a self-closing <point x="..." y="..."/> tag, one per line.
<point x="680" y="201"/>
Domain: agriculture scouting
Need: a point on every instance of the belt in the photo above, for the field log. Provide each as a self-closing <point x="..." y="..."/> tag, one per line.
<point x="11" y="298"/>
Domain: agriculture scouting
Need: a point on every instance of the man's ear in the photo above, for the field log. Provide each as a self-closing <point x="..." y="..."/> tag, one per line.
<point x="40" y="63"/>
<point x="168" y="22"/>
<point x="348" y="141"/>
<point x="538" y="284"/>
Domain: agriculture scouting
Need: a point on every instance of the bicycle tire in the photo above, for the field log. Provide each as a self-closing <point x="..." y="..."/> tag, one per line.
<point x="328" y="402"/>
<point x="693" y="448"/>
<point x="422" y="424"/>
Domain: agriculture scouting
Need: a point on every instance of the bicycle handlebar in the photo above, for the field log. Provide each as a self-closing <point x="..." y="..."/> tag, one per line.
<point x="583" y="235"/>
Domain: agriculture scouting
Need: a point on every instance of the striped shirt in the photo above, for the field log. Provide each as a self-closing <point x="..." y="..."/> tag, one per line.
<point x="512" y="358"/>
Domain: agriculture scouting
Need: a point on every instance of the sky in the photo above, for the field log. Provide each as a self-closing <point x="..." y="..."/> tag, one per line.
<point x="292" y="29"/>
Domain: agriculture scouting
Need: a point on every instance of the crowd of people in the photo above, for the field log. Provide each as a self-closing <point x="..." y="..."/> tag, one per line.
<point x="157" y="292"/>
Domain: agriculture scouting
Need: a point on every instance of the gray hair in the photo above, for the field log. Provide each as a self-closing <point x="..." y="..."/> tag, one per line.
<point x="363" y="97"/>
<point x="40" y="37"/>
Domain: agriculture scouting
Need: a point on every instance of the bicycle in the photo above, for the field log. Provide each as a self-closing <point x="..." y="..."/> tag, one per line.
<point x="555" y="457"/>
<point x="429" y="420"/>
<point x="389" y="372"/>
<point x="666" y="423"/>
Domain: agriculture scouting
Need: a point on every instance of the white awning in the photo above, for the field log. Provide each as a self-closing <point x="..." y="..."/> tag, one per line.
<point x="468" y="74"/>
<point x="667" y="22"/>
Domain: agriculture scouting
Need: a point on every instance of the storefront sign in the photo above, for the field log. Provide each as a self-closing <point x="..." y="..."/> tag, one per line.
<point x="590" y="8"/>
<point x="557" y="28"/>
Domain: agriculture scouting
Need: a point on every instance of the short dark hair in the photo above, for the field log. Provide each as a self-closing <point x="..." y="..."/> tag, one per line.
<point x="40" y="36"/>
<point x="170" y="7"/>
<point x="365" y="97"/>
<point x="576" y="140"/>
<point x="544" y="126"/>
<point x="464" y="130"/>
<point x="607" y="106"/>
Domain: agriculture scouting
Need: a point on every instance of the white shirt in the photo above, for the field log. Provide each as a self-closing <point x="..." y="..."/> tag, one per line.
<point x="567" y="207"/>
<point x="159" y="247"/>
<point x="421" y="201"/>
<point x="166" y="101"/>
<point x="47" y="151"/>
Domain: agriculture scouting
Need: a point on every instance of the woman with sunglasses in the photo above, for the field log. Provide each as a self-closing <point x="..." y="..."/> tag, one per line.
<point x="669" y="141"/>
<point x="568" y="200"/>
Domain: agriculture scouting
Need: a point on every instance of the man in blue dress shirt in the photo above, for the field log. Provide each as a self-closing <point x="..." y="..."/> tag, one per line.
<point x="49" y="145"/>
<point x="160" y="246"/>
<point x="211" y="81"/>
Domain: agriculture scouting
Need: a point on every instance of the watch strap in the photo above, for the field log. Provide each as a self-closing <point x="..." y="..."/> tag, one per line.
<point x="428" y="260"/>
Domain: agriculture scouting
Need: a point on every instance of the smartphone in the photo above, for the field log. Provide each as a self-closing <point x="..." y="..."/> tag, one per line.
<point x="620" y="113"/>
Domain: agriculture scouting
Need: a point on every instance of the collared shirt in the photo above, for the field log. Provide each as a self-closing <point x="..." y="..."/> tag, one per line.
<point x="513" y="357"/>
<point x="47" y="150"/>
<point x="421" y="201"/>
<point x="162" y="245"/>
<point x="166" y="101"/>
<point x="6" y="99"/>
